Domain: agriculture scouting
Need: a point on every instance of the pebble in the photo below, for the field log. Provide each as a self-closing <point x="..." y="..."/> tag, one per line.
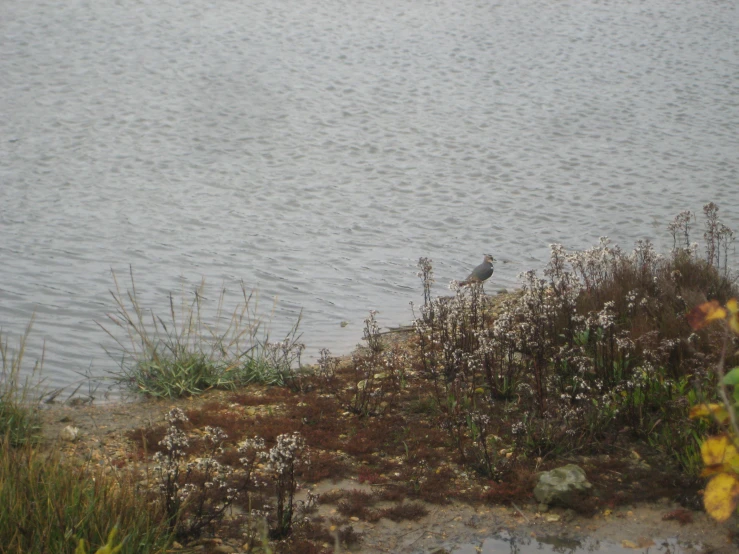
<point x="69" y="433"/>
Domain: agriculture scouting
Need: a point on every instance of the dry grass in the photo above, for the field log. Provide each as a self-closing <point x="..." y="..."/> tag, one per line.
<point x="49" y="504"/>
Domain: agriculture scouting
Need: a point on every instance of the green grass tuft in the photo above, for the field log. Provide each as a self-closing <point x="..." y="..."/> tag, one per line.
<point x="18" y="418"/>
<point x="185" y="355"/>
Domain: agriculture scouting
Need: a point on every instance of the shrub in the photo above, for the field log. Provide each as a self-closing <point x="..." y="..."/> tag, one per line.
<point x="598" y="345"/>
<point x="720" y="453"/>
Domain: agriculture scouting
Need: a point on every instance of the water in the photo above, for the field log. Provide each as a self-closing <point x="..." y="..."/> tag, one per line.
<point x="506" y="543"/>
<point x="316" y="149"/>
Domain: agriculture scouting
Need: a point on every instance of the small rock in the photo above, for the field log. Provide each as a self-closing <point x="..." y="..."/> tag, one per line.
<point x="551" y="518"/>
<point x="223" y="549"/>
<point x="543" y="508"/>
<point x="563" y="486"/>
<point x="69" y="433"/>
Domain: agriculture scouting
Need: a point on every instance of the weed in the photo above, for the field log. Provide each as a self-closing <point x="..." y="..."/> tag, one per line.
<point x="19" y="423"/>
<point x="356" y="503"/>
<point x="282" y="462"/>
<point x="369" y="476"/>
<point x="50" y="505"/>
<point x="404" y="511"/>
<point x="369" y="388"/>
<point x="185" y="355"/>
<point x="322" y="466"/>
<point x="349" y="537"/>
<point x="327" y="371"/>
<point x="196" y="494"/>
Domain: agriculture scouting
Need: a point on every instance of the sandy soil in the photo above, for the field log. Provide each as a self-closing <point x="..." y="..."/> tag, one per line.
<point x="455" y="528"/>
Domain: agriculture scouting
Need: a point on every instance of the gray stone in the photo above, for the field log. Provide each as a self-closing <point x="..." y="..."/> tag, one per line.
<point x="562" y="486"/>
<point x="69" y="433"/>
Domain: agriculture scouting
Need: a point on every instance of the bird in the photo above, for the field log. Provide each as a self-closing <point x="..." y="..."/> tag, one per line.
<point x="481" y="273"/>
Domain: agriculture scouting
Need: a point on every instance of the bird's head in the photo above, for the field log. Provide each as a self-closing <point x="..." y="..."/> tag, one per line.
<point x="489" y="259"/>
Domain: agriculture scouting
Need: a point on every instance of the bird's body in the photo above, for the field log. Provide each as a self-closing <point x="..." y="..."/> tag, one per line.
<point x="481" y="273"/>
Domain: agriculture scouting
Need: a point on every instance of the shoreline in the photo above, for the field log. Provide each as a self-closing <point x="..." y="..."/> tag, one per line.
<point x="459" y="525"/>
<point x="454" y="420"/>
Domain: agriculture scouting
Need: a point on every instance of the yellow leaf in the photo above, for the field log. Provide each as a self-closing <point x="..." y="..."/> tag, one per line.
<point x="702" y="315"/>
<point x="707" y="410"/>
<point x="720" y="497"/>
<point x="733" y="307"/>
<point x="719" y="451"/>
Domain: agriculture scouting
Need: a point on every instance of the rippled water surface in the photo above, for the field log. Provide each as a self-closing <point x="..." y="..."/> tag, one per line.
<point x="315" y="149"/>
<point x="506" y="543"/>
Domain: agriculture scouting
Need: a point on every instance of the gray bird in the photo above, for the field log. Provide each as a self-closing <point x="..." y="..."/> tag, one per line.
<point x="481" y="272"/>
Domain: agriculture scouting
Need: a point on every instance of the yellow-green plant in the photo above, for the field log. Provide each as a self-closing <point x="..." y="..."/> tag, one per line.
<point x="108" y="548"/>
<point x="720" y="453"/>
<point x="50" y="503"/>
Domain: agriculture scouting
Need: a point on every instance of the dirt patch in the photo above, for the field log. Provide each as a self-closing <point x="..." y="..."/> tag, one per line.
<point x="392" y="482"/>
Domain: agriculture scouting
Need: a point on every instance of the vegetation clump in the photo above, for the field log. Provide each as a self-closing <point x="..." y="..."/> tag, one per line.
<point x="51" y="504"/>
<point x="597" y="348"/>
<point x="19" y="423"/>
<point x="185" y="355"/>
<point x="720" y="453"/>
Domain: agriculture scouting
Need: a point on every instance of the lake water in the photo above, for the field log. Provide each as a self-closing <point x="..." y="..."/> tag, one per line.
<point x="315" y="149"/>
<point x="507" y="543"/>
